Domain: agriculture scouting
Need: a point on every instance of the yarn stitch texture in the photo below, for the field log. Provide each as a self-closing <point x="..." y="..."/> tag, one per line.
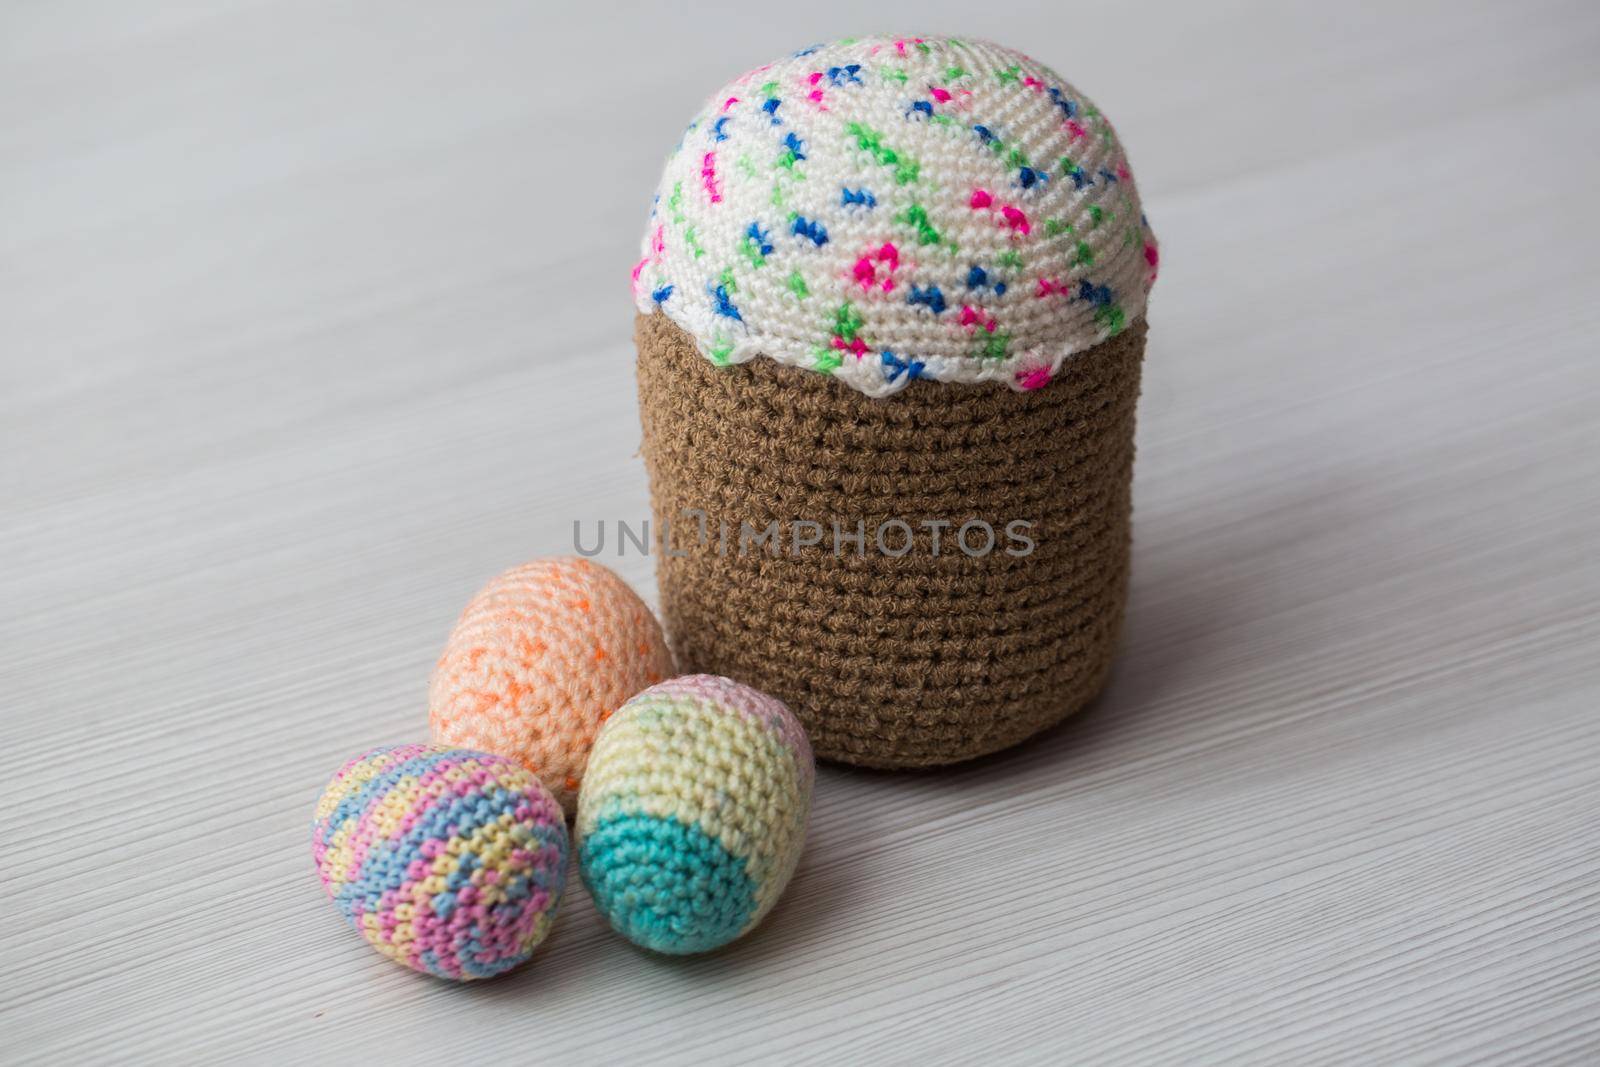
<point x="694" y="812"/>
<point x="538" y="660"/>
<point x="925" y="658"/>
<point x="449" y="861"/>
<point x="888" y="209"/>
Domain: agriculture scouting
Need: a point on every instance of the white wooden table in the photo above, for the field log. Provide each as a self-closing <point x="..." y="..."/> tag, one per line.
<point x="313" y="317"/>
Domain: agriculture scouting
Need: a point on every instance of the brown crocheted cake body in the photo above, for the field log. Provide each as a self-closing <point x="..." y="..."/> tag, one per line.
<point x="893" y="653"/>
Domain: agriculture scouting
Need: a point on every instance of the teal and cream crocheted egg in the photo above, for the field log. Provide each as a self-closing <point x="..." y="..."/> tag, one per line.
<point x="693" y="812"/>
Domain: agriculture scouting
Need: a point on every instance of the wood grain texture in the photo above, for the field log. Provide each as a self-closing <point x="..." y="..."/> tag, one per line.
<point x="312" y="318"/>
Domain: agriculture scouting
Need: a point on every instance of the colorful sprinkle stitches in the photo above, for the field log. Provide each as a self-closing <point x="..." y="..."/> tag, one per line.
<point x="446" y="860"/>
<point x="693" y="813"/>
<point x="899" y="177"/>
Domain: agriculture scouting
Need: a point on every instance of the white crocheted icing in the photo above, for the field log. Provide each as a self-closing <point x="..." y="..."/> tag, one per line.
<point x="886" y="209"/>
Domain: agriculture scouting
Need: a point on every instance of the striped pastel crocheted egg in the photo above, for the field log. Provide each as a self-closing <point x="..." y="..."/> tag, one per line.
<point x="446" y="860"/>
<point x="538" y="660"/>
<point x="885" y="209"/>
<point x="693" y="813"/>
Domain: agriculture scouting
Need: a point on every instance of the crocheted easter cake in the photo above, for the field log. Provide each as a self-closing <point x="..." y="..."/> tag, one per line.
<point x="890" y="326"/>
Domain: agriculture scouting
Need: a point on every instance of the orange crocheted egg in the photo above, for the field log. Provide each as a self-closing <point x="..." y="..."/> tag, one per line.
<point x="538" y="661"/>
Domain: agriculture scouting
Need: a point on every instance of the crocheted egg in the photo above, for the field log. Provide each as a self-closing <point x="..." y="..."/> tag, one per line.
<point x="540" y="657"/>
<point x="693" y="813"/>
<point x="446" y="860"/>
